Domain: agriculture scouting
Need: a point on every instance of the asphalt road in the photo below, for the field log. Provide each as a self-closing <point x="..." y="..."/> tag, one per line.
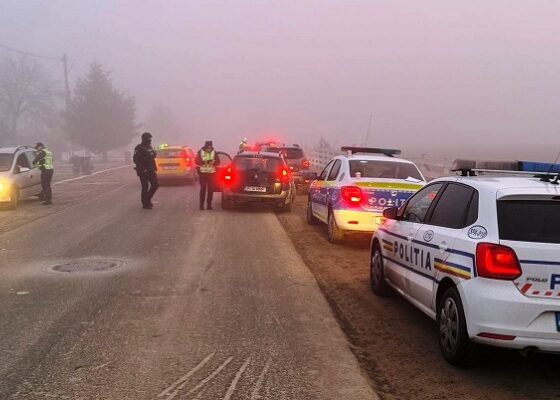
<point x="199" y="304"/>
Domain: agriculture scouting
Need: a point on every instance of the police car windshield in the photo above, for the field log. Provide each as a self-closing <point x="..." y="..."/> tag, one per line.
<point x="383" y="169"/>
<point x="268" y="164"/>
<point x="5" y="162"/>
<point x="529" y="220"/>
<point x="171" y="153"/>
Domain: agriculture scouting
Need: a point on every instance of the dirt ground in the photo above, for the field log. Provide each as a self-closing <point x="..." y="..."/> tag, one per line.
<point x="396" y="344"/>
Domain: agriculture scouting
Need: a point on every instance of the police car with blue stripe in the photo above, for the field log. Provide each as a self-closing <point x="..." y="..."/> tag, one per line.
<point x="480" y="254"/>
<point x="354" y="189"/>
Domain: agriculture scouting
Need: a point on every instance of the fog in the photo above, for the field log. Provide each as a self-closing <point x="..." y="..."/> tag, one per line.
<point x="455" y="79"/>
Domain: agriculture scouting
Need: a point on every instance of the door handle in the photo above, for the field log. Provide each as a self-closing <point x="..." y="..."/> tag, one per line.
<point x="443" y="246"/>
<point x="410" y="237"/>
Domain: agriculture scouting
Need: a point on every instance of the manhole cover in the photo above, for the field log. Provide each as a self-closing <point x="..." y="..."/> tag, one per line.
<point x="87" y="266"/>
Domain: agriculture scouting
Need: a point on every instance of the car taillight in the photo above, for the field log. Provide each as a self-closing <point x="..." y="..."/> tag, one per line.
<point x="352" y="194"/>
<point x="188" y="160"/>
<point x="228" y="175"/>
<point x="305" y="163"/>
<point x="284" y="175"/>
<point x="497" y="262"/>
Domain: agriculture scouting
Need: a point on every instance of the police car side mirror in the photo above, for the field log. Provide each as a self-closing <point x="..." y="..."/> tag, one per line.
<point x="391" y="213"/>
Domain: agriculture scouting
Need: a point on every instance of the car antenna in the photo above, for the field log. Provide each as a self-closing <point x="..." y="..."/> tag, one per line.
<point x="547" y="177"/>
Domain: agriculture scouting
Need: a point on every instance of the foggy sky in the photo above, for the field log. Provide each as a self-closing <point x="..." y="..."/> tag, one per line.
<point x="460" y="78"/>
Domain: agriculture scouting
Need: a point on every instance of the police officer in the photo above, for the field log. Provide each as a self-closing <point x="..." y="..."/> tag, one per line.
<point x="44" y="160"/>
<point x="243" y="145"/>
<point x="207" y="162"/>
<point x="145" y="160"/>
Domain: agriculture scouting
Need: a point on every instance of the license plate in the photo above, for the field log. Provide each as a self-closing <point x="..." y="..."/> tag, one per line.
<point x="558" y="321"/>
<point x="255" y="189"/>
<point x="168" y="168"/>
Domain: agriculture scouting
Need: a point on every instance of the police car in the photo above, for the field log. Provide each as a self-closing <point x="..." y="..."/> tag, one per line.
<point x="480" y="254"/>
<point x="354" y="189"/>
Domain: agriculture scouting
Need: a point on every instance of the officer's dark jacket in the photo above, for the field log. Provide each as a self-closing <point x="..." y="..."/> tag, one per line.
<point x="144" y="158"/>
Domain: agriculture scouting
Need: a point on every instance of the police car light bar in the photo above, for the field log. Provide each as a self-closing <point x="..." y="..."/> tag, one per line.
<point x="528" y="168"/>
<point x="370" y="150"/>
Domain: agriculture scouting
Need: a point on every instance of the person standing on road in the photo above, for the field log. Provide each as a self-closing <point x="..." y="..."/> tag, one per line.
<point x="207" y="162"/>
<point x="44" y="160"/>
<point x="145" y="160"/>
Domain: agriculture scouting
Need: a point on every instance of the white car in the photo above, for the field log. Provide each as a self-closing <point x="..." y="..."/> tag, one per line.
<point x="19" y="178"/>
<point x="481" y="256"/>
<point x="354" y="189"/>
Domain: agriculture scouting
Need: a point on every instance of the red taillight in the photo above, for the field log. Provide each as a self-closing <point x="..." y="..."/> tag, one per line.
<point x="228" y="175"/>
<point x="497" y="262"/>
<point x="305" y="163"/>
<point x="352" y="194"/>
<point x="496" y="336"/>
<point x="284" y="175"/>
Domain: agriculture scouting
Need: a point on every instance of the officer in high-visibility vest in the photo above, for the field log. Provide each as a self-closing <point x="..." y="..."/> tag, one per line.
<point x="243" y="146"/>
<point x="207" y="162"/>
<point x="44" y="160"/>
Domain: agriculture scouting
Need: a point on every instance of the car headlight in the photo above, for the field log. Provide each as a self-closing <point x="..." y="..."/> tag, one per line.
<point x="4" y="186"/>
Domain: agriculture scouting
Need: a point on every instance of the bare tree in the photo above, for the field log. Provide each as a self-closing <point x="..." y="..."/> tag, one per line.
<point x="26" y="95"/>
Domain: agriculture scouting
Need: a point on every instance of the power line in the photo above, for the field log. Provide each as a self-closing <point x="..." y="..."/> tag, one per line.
<point x="26" y="53"/>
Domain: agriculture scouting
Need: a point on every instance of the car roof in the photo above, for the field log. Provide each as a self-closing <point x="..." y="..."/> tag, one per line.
<point x="12" y="150"/>
<point x="371" y="157"/>
<point x="511" y="184"/>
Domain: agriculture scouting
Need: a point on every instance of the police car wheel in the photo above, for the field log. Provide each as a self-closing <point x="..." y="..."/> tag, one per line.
<point x="454" y="341"/>
<point x="311" y="219"/>
<point x="377" y="274"/>
<point x="335" y="234"/>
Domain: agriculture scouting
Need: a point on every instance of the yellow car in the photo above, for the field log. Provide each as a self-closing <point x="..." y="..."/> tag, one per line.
<point x="176" y="163"/>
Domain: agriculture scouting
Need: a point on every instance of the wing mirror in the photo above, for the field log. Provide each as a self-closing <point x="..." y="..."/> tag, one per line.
<point x="391" y="213"/>
<point x="23" y="169"/>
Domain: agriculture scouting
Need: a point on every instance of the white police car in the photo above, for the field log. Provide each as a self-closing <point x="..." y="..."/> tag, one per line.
<point x="481" y="255"/>
<point x="354" y="189"/>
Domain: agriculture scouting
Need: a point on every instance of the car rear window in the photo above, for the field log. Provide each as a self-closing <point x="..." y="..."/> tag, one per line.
<point x="292" y="153"/>
<point x="171" y="153"/>
<point x="529" y="220"/>
<point x="268" y="164"/>
<point x="5" y="162"/>
<point x="383" y="169"/>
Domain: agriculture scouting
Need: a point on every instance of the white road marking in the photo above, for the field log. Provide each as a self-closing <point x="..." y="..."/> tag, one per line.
<point x="102" y="365"/>
<point x="208" y="378"/>
<point x="166" y="391"/>
<point x="22" y="293"/>
<point x="256" y="390"/>
<point x="95" y="173"/>
<point x="233" y="384"/>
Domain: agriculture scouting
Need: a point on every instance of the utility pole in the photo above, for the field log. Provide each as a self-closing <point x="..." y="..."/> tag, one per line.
<point x="67" y="97"/>
<point x="66" y="84"/>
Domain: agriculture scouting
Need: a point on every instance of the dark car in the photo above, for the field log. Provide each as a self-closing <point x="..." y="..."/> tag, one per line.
<point x="298" y="163"/>
<point x="255" y="177"/>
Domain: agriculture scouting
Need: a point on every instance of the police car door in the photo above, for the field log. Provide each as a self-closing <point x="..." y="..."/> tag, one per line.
<point x="455" y="208"/>
<point x="318" y="194"/>
<point x="407" y="260"/>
